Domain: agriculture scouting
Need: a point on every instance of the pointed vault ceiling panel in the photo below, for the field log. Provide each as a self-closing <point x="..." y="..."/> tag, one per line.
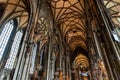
<point x="69" y="14"/>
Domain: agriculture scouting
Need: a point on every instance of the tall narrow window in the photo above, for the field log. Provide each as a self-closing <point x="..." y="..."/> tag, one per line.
<point x="14" y="50"/>
<point x="33" y="57"/>
<point x="4" y="37"/>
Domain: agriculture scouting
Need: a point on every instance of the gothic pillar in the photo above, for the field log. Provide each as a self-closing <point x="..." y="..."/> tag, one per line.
<point x="20" y="61"/>
<point x="25" y="67"/>
<point x="21" y="57"/>
<point x="49" y="56"/>
<point x="107" y="28"/>
<point x="67" y="67"/>
<point x="100" y="53"/>
<point x="18" y="77"/>
<point x="76" y="74"/>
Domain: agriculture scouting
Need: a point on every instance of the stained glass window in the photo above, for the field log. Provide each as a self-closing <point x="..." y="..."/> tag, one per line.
<point x="33" y="57"/>
<point x="4" y="36"/>
<point x="14" y="50"/>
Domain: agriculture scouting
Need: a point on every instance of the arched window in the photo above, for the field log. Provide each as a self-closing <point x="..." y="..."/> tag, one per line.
<point x="5" y="36"/>
<point x="14" y="50"/>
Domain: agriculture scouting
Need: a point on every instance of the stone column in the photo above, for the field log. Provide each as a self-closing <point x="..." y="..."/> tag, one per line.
<point x="76" y="74"/>
<point x="25" y="67"/>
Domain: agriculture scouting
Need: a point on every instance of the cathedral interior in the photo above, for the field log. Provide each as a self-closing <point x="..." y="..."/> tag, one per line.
<point x="59" y="39"/>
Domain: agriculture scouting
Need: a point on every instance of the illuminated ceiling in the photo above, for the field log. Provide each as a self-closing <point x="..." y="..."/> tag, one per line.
<point x="81" y="61"/>
<point x="69" y="14"/>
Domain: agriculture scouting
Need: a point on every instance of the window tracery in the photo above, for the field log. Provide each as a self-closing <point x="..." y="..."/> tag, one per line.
<point x="14" y="50"/>
<point x="4" y="36"/>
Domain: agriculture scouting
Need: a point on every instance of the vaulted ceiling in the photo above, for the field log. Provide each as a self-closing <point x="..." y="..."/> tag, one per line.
<point x="69" y="14"/>
<point x="15" y="9"/>
<point x="114" y="8"/>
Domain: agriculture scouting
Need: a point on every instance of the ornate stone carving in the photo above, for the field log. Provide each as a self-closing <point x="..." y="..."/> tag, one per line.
<point x="42" y="26"/>
<point x="41" y="29"/>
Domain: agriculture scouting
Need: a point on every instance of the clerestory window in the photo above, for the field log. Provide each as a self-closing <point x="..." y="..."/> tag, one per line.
<point x="14" y="50"/>
<point x="5" y="36"/>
